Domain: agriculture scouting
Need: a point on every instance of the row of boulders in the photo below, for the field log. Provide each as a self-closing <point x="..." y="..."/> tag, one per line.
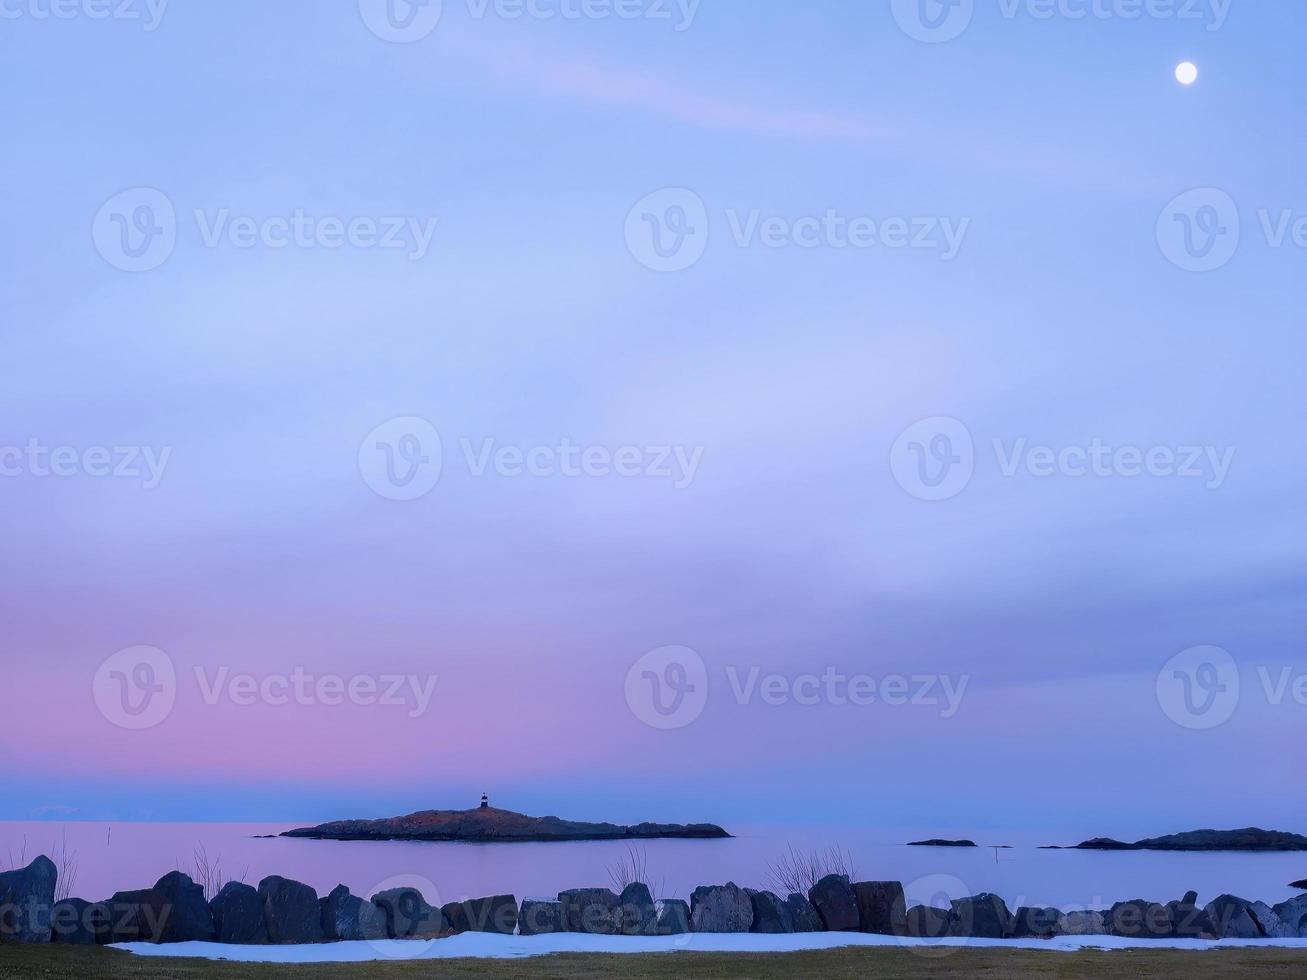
<point x="283" y="911"/>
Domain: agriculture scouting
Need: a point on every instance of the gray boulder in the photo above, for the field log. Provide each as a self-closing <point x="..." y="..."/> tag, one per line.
<point x="135" y="917"/>
<point x="1267" y="920"/>
<point x="77" y="922"/>
<point x="924" y="922"/>
<point x="456" y="917"/>
<point x="720" y="908"/>
<point x="1140" y="919"/>
<point x="189" y="918"/>
<point x="1292" y="916"/>
<point x="26" y="902"/>
<point x="408" y="915"/>
<point x="983" y="916"/>
<point x="537" y="918"/>
<point x="803" y="914"/>
<point x="1188" y="920"/>
<point x="349" y="918"/>
<point x="673" y="917"/>
<point x="497" y="914"/>
<point x="881" y="907"/>
<point x="1034" y="922"/>
<point x="1234" y="918"/>
<point x="597" y="911"/>
<point x="291" y="911"/>
<point x="238" y="915"/>
<point x="770" y="914"/>
<point x="1084" y="923"/>
<point x="639" y="916"/>
<point x="835" y="903"/>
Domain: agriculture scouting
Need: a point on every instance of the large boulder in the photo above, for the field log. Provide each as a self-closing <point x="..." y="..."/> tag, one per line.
<point x="770" y="914"/>
<point x="238" y="915"/>
<point x="1188" y="920"/>
<point x="455" y="917"/>
<point x="802" y="913"/>
<point x="537" y="918"/>
<point x="983" y="916"/>
<point x="1081" y="923"/>
<point x="1292" y="916"/>
<point x="597" y="911"/>
<point x="924" y="922"/>
<point x="350" y="918"/>
<point x="189" y="918"/>
<point x="1234" y="918"/>
<point x="1140" y="919"/>
<point x="1267" y="920"/>
<point x="881" y="907"/>
<point x="1034" y="922"/>
<point x="408" y="915"/>
<point x="26" y="902"/>
<point x="291" y="911"/>
<point x="720" y="908"/>
<point x="77" y="922"/>
<point x="673" y="917"/>
<point x="136" y="917"/>
<point x="835" y="903"/>
<point x="639" y="915"/>
<point x="497" y="914"/>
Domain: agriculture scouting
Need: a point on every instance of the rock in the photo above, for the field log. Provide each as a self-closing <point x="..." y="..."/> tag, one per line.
<point x="881" y="907"/>
<point x="597" y="911"/>
<point x="1034" y="922"/>
<point x="189" y="919"/>
<point x="135" y="917"/>
<point x="26" y="902"/>
<point x="673" y="917"/>
<point x="1080" y="924"/>
<point x="835" y="903"/>
<point x="770" y="914"/>
<point x="77" y="922"/>
<point x="349" y="918"/>
<point x="238" y="917"/>
<point x="803" y="914"/>
<point x="1299" y="884"/>
<point x="923" y="922"/>
<point x="1267" y="921"/>
<point x="1188" y="921"/>
<point x="497" y="914"/>
<point x="1140" y="919"/>
<point x="937" y="842"/>
<point x="1234" y="918"/>
<point x="720" y="908"/>
<point x="291" y="911"/>
<point x="538" y="918"/>
<point x="1293" y="918"/>
<point x="408" y="915"/>
<point x="639" y="916"/>
<point x="456" y="918"/>
<point x="983" y="916"/>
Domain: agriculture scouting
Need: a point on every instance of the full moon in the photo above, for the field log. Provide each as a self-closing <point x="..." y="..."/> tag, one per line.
<point x="1186" y="73"/>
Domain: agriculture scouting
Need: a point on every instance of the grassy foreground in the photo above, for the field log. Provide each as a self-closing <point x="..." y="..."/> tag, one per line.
<point x="95" y="963"/>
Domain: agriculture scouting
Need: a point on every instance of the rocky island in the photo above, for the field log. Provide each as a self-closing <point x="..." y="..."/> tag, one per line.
<point x="487" y="824"/>
<point x="937" y="842"/>
<point x="1249" y="839"/>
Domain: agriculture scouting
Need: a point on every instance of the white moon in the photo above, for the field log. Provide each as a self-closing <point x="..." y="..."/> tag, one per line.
<point x="1186" y="73"/>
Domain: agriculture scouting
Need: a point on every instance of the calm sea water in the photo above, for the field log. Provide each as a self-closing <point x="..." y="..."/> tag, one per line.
<point x="113" y="857"/>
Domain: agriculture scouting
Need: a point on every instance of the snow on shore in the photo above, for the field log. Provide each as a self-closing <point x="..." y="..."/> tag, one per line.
<point x="484" y="945"/>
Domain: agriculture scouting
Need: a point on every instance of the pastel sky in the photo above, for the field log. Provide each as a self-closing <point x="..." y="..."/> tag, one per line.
<point x="1064" y="317"/>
